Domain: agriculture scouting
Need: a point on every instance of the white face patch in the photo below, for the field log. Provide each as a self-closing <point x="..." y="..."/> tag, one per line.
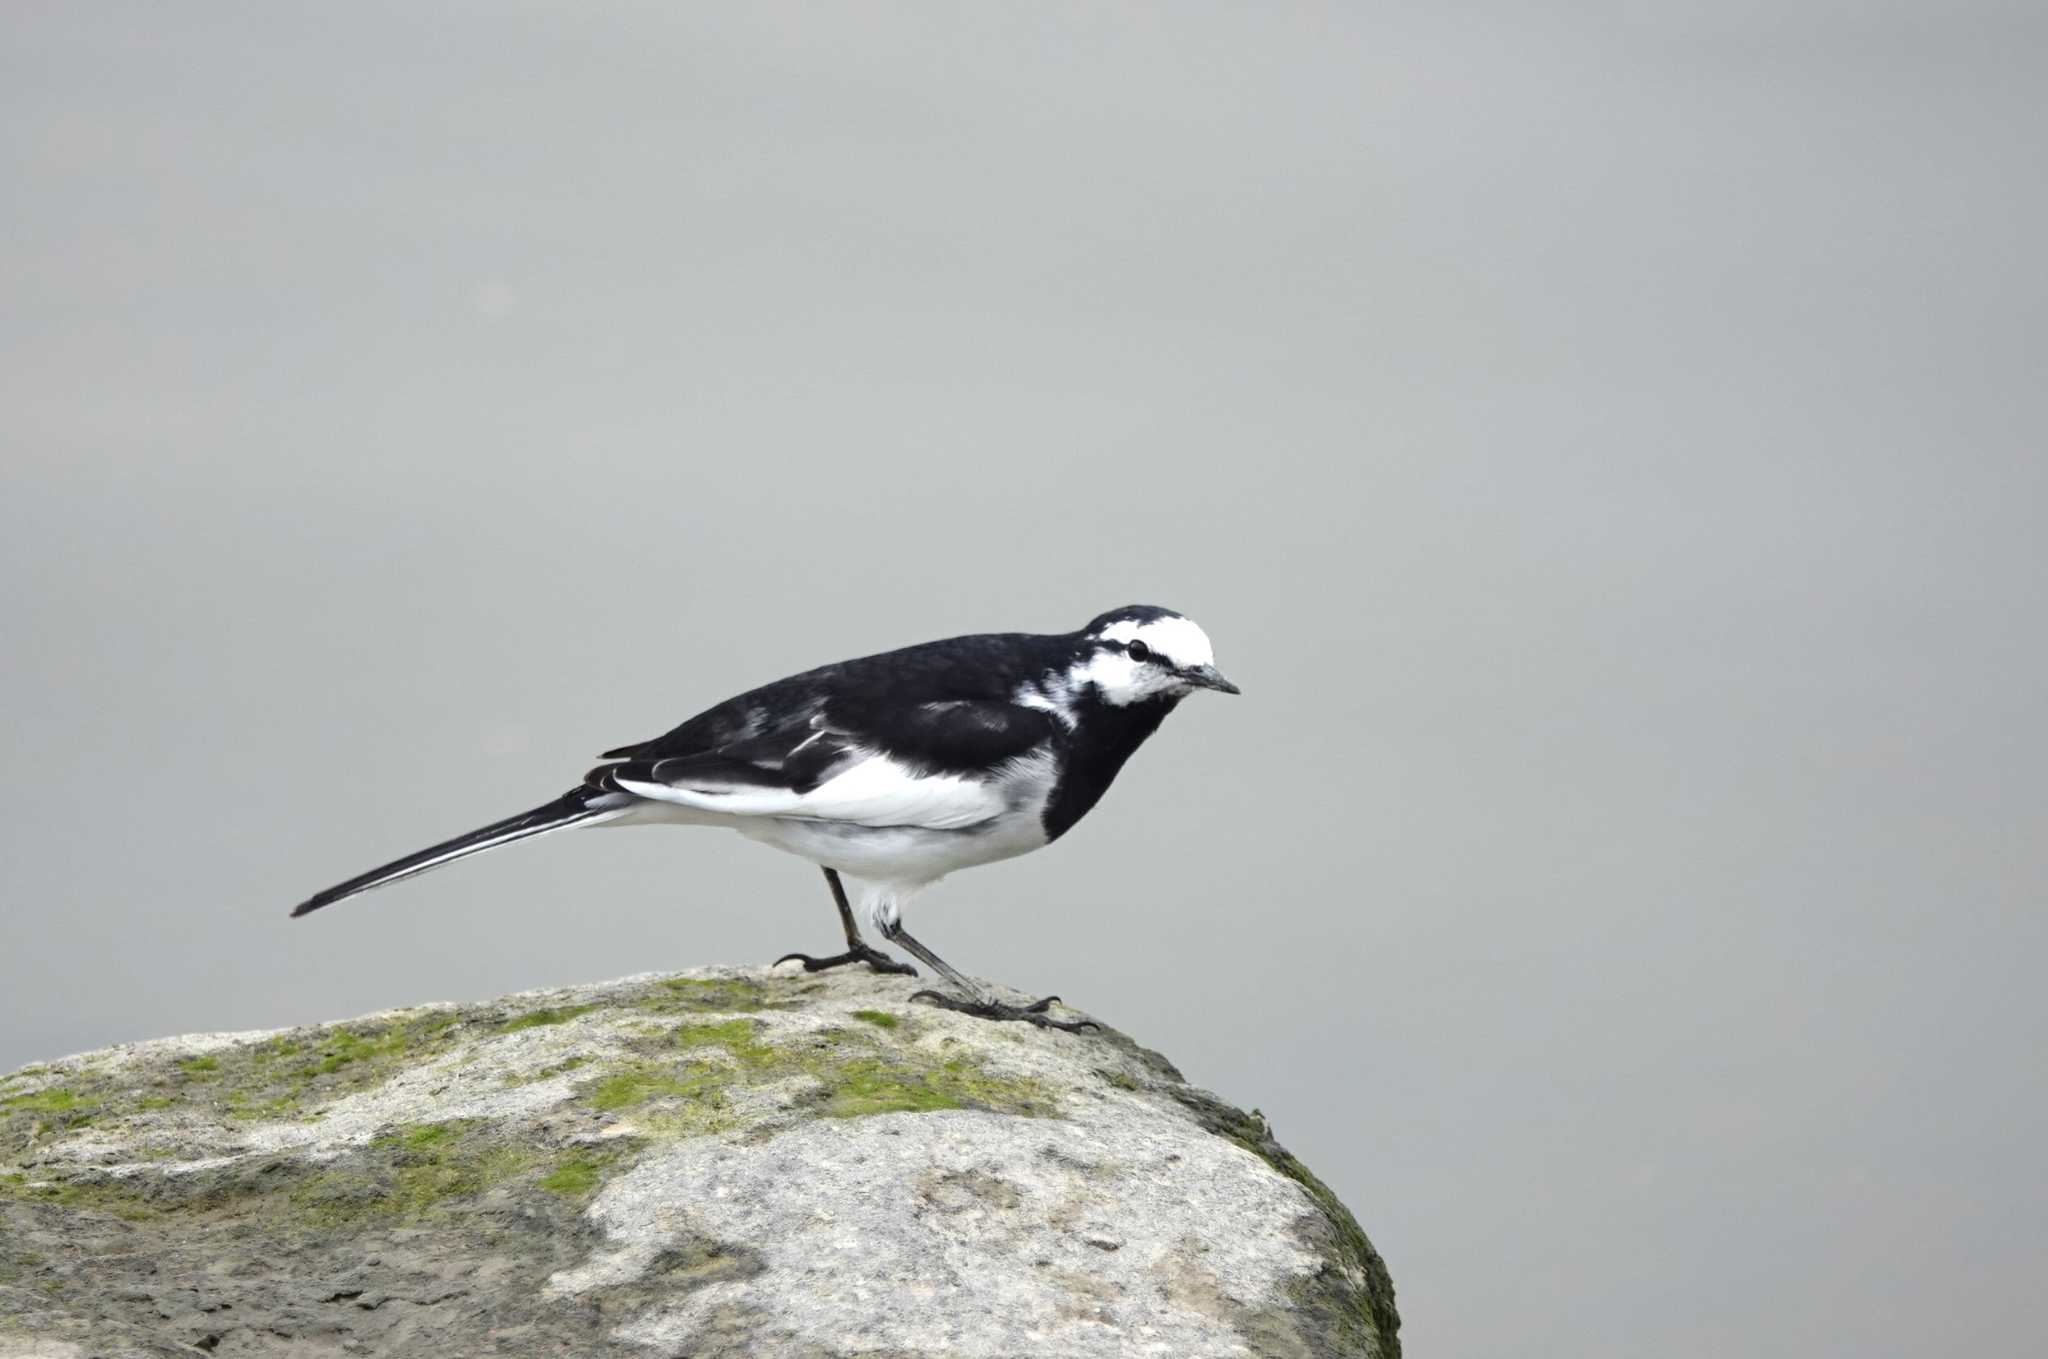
<point x="1175" y="642"/>
<point x="1176" y="638"/>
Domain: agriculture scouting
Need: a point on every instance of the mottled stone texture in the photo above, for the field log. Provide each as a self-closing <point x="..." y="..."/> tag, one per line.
<point x="759" y="1163"/>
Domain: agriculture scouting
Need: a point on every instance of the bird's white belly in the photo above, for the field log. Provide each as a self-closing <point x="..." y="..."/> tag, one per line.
<point x="909" y="855"/>
<point x="899" y="854"/>
<point x="894" y="861"/>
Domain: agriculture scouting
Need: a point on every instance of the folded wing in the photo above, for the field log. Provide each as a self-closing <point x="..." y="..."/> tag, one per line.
<point x="936" y="766"/>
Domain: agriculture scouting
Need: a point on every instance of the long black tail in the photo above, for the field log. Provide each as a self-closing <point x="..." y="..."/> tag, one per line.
<point x="571" y="808"/>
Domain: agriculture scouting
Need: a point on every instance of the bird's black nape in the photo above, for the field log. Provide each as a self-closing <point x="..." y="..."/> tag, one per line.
<point x="1129" y="613"/>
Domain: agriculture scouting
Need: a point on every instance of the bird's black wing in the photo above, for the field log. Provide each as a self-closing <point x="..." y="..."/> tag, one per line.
<point x="931" y="764"/>
<point x="888" y="692"/>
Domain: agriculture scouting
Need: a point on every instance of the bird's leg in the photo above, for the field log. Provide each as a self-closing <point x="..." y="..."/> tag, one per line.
<point x="857" y="948"/>
<point x="979" y="1002"/>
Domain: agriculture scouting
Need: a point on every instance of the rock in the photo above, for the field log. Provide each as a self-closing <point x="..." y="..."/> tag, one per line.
<point x="758" y="1163"/>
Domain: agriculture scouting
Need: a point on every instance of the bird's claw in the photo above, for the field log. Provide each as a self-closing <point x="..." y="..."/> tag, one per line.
<point x="859" y="953"/>
<point x="1034" y="1013"/>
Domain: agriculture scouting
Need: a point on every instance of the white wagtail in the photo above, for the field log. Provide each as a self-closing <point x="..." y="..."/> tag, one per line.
<point x="893" y="769"/>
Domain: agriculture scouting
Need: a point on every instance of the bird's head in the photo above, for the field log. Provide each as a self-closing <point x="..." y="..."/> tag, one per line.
<point x="1141" y="652"/>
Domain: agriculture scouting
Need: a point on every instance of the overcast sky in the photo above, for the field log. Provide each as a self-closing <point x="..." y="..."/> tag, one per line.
<point x="1606" y="441"/>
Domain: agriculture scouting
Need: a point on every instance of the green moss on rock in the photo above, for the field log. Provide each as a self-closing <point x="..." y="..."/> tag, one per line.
<point x="857" y="1073"/>
<point x="376" y="1047"/>
<point x="56" y="1099"/>
<point x="42" y="1114"/>
<point x="536" y="1019"/>
<point x="738" y="1037"/>
<point x="124" y="1199"/>
<point x="408" y="1174"/>
<point x="426" y="1136"/>
<point x="630" y="1087"/>
<point x="721" y="995"/>
<point x="578" y="1173"/>
<point x="276" y="1079"/>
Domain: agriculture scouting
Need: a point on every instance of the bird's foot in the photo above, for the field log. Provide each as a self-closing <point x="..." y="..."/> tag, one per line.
<point x="1034" y="1013"/>
<point x="859" y="953"/>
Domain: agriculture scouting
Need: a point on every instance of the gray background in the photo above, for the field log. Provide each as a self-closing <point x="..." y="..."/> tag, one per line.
<point x="1604" y="440"/>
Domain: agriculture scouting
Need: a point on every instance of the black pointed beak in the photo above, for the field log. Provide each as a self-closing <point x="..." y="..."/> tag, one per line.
<point x="1209" y="677"/>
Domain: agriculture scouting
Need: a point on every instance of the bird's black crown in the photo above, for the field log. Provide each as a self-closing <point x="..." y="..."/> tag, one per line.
<point x="1129" y="613"/>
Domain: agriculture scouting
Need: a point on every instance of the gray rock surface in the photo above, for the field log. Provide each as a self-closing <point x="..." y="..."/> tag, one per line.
<point x="723" y="1162"/>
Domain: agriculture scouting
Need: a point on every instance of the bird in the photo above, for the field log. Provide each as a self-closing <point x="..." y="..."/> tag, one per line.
<point x="893" y="770"/>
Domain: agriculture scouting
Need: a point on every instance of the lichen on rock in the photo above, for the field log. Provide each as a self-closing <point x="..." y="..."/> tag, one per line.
<point x="757" y="1162"/>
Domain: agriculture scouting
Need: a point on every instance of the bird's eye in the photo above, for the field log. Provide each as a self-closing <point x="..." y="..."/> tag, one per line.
<point x="1139" y="651"/>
